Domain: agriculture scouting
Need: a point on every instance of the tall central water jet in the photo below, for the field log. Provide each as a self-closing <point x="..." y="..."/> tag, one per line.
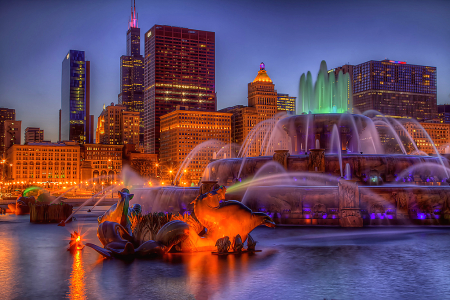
<point x="329" y="94"/>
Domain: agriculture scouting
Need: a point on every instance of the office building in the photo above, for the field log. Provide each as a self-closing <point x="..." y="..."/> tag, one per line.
<point x="181" y="131"/>
<point x="45" y="162"/>
<point x="394" y="88"/>
<point x="179" y="70"/>
<point x="5" y="115"/>
<point x="262" y="105"/>
<point x="286" y="103"/>
<point x="444" y="113"/>
<point x="132" y="73"/>
<point x="75" y="98"/>
<point x="34" y="135"/>
<point x="12" y="130"/>
<point x="117" y="126"/>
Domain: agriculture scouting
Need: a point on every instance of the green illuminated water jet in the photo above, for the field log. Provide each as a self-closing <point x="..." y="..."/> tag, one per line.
<point x="329" y="94"/>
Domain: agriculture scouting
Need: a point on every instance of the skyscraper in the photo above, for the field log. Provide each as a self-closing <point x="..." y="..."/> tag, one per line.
<point x="179" y="70"/>
<point x="262" y="105"/>
<point x="132" y="73"/>
<point x="394" y="88"/>
<point x="75" y="88"/>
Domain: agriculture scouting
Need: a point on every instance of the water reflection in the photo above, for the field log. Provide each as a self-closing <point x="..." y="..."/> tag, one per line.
<point x="8" y="266"/>
<point x="77" y="278"/>
<point x="208" y="274"/>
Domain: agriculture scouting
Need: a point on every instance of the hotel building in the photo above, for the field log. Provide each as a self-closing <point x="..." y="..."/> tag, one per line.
<point x="132" y="73"/>
<point x="394" y="88"/>
<point x="179" y="69"/>
<point x="181" y="131"/>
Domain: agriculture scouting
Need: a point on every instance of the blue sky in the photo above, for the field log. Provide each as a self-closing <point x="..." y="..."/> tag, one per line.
<point x="290" y="37"/>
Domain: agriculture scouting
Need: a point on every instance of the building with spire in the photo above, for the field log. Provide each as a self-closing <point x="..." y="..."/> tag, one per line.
<point x="132" y="73"/>
<point x="179" y="70"/>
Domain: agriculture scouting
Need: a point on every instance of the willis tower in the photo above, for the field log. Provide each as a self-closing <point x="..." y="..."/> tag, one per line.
<point x="132" y="73"/>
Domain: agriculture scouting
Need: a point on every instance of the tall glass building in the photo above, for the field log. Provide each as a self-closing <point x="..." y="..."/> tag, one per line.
<point x="74" y="123"/>
<point x="132" y="73"/>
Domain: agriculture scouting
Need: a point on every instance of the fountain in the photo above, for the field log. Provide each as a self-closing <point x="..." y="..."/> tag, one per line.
<point x="333" y="170"/>
<point x="375" y="182"/>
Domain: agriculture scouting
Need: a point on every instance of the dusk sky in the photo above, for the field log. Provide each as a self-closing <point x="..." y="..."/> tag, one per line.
<point x="290" y="37"/>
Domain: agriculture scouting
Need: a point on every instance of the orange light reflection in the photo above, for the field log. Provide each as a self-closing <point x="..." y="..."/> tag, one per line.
<point x="206" y="272"/>
<point x="77" y="278"/>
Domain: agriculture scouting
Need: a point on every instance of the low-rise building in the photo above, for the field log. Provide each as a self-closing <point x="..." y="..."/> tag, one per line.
<point x="102" y="163"/>
<point x="44" y="162"/>
<point x="144" y="164"/>
<point x="438" y="132"/>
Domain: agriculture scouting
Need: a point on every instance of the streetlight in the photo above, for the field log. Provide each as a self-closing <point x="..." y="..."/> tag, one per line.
<point x="10" y="172"/>
<point x="171" y="176"/>
<point x="157" y="165"/>
<point x="102" y="187"/>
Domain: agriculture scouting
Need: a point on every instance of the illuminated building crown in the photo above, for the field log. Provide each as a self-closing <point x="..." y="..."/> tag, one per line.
<point x="262" y="74"/>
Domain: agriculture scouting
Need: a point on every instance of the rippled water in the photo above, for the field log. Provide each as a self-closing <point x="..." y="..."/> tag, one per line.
<point x="296" y="263"/>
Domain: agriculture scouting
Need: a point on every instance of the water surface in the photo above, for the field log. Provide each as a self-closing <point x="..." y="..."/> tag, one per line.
<point x="296" y="263"/>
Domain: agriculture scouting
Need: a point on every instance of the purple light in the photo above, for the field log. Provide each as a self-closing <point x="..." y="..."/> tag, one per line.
<point x="334" y="216"/>
<point x="372" y="216"/>
<point x="389" y="216"/>
<point x="324" y="216"/>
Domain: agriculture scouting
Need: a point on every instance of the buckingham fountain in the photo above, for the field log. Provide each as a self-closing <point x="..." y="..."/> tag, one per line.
<point x="323" y="166"/>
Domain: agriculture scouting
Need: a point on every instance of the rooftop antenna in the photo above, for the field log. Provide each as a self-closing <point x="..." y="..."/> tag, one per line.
<point x="134" y="17"/>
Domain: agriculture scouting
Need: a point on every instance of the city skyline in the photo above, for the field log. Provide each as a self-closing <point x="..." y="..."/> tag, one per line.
<point x="289" y="37"/>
